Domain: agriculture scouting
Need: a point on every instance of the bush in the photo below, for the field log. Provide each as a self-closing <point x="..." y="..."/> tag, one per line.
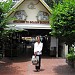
<point x="71" y="55"/>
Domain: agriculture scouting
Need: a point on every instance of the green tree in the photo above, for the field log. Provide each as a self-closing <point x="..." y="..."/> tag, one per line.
<point x="4" y="9"/>
<point x="63" y="21"/>
<point x="1" y="19"/>
<point x="52" y="2"/>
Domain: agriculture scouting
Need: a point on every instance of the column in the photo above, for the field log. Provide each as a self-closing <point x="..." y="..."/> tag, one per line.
<point x="56" y="47"/>
<point x="66" y="50"/>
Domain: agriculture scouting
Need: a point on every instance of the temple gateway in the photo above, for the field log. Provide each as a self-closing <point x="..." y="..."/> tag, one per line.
<point x="32" y="19"/>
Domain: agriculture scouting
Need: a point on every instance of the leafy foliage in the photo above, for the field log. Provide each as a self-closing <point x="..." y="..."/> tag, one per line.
<point x="52" y="2"/>
<point x="4" y="9"/>
<point x="63" y="21"/>
<point x="6" y="5"/>
<point x="71" y="55"/>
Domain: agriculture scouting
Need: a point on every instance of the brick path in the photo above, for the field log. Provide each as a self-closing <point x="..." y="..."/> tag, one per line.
<point x="50" y="66"/>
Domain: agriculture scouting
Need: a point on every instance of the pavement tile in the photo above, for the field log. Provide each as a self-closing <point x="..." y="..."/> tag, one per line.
<point x="49" y="66"/>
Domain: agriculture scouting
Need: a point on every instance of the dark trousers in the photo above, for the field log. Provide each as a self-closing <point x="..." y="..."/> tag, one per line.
<point x="39" y="64"/>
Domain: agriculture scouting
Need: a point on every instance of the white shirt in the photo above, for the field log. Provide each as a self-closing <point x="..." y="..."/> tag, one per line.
<point x="38" y="48"/>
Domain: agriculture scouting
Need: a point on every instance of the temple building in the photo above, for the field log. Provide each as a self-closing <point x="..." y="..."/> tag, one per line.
<point x="31" y="18"/>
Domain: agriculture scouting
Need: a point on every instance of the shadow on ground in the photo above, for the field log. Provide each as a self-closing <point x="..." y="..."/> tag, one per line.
<point x="6" y="68"/>
<point x="12" y="66"/>
<point x="64" y="70"/>
<point x="39" y="71"/>
<point x="20" y="59"/>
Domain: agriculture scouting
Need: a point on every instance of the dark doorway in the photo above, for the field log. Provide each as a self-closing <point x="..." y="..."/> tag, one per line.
<point x="46" y="46"/>
<point x="20" y="47"/>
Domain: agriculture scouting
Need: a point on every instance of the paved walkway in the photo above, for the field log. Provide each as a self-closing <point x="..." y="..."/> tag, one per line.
<point x="50" y="66"/>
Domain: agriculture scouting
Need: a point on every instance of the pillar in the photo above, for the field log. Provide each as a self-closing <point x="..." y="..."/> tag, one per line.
<point x="56" y="47"/>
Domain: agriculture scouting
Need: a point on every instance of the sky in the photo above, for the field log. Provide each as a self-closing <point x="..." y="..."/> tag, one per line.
<point x="2" y="0"/>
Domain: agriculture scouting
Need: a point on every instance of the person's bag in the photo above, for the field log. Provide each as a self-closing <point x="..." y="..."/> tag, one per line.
<point x="35" y="60"/>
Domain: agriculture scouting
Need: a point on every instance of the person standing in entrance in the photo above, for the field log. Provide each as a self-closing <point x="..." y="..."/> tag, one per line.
<point x="38" y="45"/>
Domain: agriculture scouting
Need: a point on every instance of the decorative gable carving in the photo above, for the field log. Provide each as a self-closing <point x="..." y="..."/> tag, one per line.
<point x="32" y="4"/>
<point x="20" y="15"/>
<point x="42" y="16"/>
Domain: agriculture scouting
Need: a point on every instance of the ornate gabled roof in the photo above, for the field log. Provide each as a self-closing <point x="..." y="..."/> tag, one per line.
<point x="21" y="1"/>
